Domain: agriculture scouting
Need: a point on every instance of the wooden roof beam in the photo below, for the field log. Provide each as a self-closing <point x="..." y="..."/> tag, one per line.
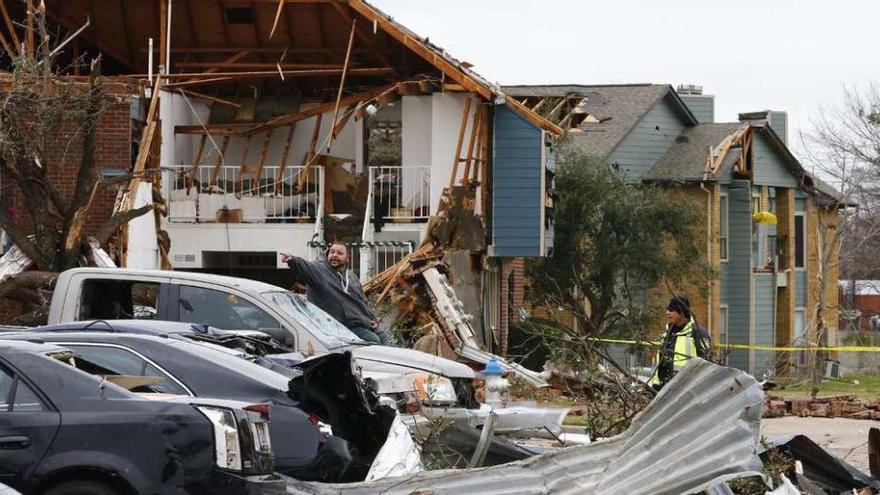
<point x="320" y="109"/>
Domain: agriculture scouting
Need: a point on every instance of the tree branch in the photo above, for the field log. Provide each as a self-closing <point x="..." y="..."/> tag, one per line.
<point x="119" y="219"/>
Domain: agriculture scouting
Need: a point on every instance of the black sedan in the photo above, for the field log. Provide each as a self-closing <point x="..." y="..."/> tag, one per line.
<point x="325" y="424"/>
<point x="65" y="432"/>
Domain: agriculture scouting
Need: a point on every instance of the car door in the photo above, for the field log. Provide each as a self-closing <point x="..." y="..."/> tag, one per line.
<point x="28" y="425"/>
<point x="225" y="310"/>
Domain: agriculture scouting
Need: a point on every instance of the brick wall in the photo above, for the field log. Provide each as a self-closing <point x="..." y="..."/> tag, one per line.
<point x="698" y="288"/>
<point x="786" y="296"/>
<point x="821" y="233"/>
<point x="112" y="150"/>
<point x="512" y="295"/>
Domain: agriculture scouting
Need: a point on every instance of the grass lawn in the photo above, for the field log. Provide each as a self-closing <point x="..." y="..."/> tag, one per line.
<point x="868" y="388"/>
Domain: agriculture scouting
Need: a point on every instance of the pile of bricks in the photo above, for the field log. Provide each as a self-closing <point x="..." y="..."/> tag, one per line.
<point x="841" y="406"/>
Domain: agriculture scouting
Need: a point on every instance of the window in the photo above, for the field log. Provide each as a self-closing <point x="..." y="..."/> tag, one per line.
<point x="724" y="226"/>
<point x="25" y="399"/>
<point x="6" y="382"/>
<point x="800" y="327"/>
<point x="723" y="338"/>
<point x="119" y="300"/>
<point x="222" y="310"/>
<point x="800" y="245"/>
<point x="105" y="360"/>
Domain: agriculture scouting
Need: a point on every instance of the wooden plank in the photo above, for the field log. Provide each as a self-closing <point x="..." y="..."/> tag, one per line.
<point x="541" y="103"/>
<point x="309" y="155"/>
<point x="364" y="71"/>
<point x="31" y="46"/>
<point x="363" y="36"/>
<point x="258" y="173"/>
<point x="461" y="130"/>
<point x="323" y="108"/>
<point x="198" y="82"/>
<point x="349" y="113"/>
<point x="199" y="152"/>
<point x="284" y="156"/>
<point x="341" y="84"/>
<point x="6" y="46"/>
<point x="13" y="35"/>
<point x="213" y="67"/>
<point x="163" y="32"/>
<point x="210" y="98"/>
<point x="213" y="129"/>
<point x="278" y="13"/>
<point x="146" y="146"/>
<point x="557" y="108"/>
<point x="220" y="157"/>
<point x="475" y="129"/>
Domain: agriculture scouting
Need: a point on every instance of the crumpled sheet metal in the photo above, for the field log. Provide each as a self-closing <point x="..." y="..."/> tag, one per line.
<point x="399" y="456"/>
<point x="701" y="429"/>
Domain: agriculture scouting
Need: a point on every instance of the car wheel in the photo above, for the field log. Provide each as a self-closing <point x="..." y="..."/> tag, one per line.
<point x="81" y="487"/>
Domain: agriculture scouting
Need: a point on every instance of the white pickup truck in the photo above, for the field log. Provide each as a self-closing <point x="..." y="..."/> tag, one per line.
<point x="229" y="303"/>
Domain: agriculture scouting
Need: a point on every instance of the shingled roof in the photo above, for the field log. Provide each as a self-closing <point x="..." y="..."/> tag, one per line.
<point x="686" y="159"/>
<point x="614" y="110"/>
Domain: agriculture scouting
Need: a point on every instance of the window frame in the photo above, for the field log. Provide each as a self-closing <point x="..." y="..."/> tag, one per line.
<point x="149" y="361"/>
<point x="800" y="218"/>
<point x="724" y="228"/>
<point x="178" y="312"/>
<point x="724" y="319"/>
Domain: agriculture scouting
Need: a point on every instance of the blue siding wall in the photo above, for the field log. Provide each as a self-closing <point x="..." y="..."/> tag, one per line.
<point x="702" y="106"/>
<point x="648" y="141"/>
<point x="800" y="291"/>
<point x="517" y="196"/>
<point x="770" y="170"/>
<point x="765" y="321"/>
<point x="739" y="271"/>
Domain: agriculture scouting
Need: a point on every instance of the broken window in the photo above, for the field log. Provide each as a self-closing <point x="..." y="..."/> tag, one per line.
<point x="113" y="361"/>
<point x="119" y="300"/>
<point x="222" y="310"/>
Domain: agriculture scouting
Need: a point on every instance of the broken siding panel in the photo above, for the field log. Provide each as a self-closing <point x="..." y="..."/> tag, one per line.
<point x="648" y="141"/>
<point x="517" y="194"/>
<point x="769" y="169"/>
<point x="765" y="321"/>
<point x="739" y="271"/>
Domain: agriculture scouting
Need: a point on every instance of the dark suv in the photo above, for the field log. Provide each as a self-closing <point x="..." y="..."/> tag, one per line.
<point x="65" y="432"/>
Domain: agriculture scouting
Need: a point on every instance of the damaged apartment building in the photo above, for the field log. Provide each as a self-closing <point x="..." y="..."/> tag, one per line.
<point x="766" y="223"/>
<point x="259" y="127"/>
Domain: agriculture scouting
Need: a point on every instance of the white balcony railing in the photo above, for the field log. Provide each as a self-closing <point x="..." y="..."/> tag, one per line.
<point x="210" y="194"/>
<point x="401" y="194"/>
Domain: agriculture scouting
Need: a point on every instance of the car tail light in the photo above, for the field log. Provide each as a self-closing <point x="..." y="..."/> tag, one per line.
<point x="263" y="409"/>
<point x="227" y="446"/>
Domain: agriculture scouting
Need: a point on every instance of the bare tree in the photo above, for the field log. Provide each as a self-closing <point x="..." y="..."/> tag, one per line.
<point x="844" y="146"/>
<point x="48" y="127"/>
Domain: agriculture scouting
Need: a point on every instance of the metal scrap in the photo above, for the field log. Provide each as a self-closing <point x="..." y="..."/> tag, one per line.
<point x="701" y="429"/>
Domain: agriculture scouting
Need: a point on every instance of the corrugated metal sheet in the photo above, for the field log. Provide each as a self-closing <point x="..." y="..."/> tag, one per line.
<point x="701" y="429"/>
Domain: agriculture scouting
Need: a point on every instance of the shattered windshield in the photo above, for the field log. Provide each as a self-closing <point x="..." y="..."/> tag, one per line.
<point x="323" y="326"/>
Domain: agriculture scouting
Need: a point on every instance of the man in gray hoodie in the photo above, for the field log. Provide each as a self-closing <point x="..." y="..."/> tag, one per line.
<point x="336" y="290"/>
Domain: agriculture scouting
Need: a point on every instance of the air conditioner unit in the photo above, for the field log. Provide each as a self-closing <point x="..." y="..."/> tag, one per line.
<point x="184" y="258"/>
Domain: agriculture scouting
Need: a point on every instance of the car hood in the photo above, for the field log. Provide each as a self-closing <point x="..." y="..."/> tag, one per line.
<point x="398" y="360"/>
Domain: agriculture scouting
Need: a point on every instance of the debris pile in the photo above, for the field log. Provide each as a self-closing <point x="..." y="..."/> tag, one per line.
<point x="840" y="406"/>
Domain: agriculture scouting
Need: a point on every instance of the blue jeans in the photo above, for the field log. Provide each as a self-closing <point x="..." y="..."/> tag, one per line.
<point x="379" y="336"/>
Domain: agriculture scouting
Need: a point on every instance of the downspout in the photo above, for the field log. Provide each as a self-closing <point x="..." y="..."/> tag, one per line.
<point x="709" y="308"/>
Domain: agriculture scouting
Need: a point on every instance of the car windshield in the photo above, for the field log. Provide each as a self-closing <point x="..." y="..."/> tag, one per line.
<point x="323" y="326"/>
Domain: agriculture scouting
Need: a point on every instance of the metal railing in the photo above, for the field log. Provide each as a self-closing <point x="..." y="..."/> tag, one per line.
<point x="209" y="194"/>
<point x="367" y="259"/>
<point x="401" y="193"/>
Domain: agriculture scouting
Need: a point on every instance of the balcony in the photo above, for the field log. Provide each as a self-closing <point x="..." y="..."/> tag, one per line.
<point x="399" y="194"/>
<point x="233" y="194"/>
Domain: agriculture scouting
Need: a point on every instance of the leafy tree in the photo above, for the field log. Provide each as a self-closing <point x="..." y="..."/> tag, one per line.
<point x="613" y="241"/>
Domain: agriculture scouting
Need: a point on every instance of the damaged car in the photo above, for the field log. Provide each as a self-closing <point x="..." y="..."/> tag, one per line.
<point x="326" y="424"/>
<point x="65" y="432"/>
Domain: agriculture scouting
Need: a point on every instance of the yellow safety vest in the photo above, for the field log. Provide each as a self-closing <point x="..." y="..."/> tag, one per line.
<point x="684" y="349"/>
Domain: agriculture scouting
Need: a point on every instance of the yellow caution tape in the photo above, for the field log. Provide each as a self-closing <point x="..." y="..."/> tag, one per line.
<point x="749" y="347"/>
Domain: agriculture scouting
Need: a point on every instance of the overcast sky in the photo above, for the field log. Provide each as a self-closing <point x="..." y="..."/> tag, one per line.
<point x="792" y="55"/>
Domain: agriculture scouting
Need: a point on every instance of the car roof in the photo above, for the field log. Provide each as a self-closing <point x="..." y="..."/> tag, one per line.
<point x="143" y="327"/>
<point x="244" y="284"/>
<point x="30" y="346"/>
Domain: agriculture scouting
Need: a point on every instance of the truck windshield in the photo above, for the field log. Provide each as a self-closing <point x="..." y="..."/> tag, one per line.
<point x="324" y="327"/>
